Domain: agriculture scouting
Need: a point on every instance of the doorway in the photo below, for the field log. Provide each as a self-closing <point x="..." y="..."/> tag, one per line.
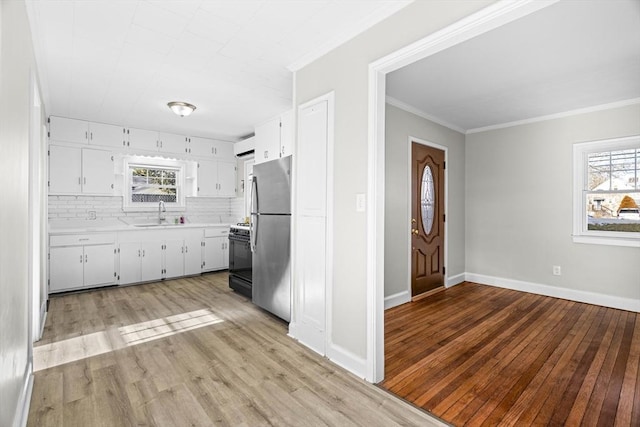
<point x="427" y="218"/>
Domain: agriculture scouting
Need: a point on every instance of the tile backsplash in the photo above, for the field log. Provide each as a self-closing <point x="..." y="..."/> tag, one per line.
<point x="105" y="208"/>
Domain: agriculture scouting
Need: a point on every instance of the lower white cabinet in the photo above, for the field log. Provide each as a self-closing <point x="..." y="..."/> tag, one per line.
<point x="81" y="261"/>
<point x="215" y="254"/>
<point x="193" y="254"/>
<point x="88" y="260"/>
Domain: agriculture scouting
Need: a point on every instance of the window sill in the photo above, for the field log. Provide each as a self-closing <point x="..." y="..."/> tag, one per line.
<point x="610" y="241"/>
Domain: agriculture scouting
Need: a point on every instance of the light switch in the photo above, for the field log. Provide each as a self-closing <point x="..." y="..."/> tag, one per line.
<point x="360" y="202"/>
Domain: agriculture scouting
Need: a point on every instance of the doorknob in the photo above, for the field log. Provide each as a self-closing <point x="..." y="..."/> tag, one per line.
<point x="414" y="231"/>
<point x="413" y="221"/>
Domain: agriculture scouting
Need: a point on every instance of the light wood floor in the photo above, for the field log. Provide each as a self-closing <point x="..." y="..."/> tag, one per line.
<point x="478" y="355"/>
<point x="190" y="352"/>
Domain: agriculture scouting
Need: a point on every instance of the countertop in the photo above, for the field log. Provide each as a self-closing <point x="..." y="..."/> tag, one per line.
<point x="111" y="226"/>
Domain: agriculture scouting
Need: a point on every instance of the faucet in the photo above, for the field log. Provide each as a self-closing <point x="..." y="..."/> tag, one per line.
<point x="161" y="209"/>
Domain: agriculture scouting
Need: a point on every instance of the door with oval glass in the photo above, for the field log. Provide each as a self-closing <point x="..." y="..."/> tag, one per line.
<point x="427" y="218"/>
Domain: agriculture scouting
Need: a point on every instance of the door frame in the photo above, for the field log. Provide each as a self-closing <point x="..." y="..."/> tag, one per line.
<point x="445" y="244"/>
<point x="493" y="16"/>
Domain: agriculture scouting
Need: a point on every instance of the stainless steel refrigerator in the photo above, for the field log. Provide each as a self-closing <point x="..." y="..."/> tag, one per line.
<point x="271" y="236"/>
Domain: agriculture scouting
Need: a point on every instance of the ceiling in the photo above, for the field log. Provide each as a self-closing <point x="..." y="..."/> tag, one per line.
<point x="121" y="61"/>
<point x="568" y="56"/>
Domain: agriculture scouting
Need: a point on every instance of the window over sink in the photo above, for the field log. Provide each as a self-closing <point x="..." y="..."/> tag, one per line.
<point x="150" y="180"/>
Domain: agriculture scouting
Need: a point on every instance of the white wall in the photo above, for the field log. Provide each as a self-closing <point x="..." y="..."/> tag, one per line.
<point x="345" y="71"/>
<point x="519" y="206"/>
<point x="399" y="126"/>
<point x="72" y="209"/>
<point x="16" y="61"/>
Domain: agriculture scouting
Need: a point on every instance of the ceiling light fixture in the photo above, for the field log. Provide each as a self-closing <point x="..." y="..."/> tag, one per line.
<point x="181" y="108"/>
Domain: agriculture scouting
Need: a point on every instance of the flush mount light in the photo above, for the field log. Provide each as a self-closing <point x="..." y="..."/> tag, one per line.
<point x="181" y="108"/>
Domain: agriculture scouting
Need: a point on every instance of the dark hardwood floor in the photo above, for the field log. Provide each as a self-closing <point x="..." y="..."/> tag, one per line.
<point x="478" y="355"/>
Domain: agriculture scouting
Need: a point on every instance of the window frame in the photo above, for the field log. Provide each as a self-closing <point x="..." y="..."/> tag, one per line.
<point x="581" y="234"/>
<point x="133" y="162"/>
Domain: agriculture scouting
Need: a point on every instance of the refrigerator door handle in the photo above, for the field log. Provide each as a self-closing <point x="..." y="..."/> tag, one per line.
<point x="254" y="215"/>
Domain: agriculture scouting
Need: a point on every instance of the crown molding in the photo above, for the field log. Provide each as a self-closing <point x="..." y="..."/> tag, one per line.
<point x="413" y="110"/>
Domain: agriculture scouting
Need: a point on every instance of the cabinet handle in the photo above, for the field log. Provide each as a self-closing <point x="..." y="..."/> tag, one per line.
<point x="266" y="154"/>
<point x="79" y="180"/>
<point x="186" y="249"/>
<point x="138" y="253"/>
<point x="127" y="143"/>
<point x="143" y="253"/>
<point x="160" y="144"/>
<point x="86" y="257"/>
<point x="80" y="259"/>
<point x="85" y="135"/>
<point x="183" y="249"/>
<point x="91" y="135"/>
<point x="124" y="143"/>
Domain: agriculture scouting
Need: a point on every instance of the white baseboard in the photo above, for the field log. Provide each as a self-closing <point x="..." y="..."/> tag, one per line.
<point x="455" y="280"/>
<point x="347" y="360"/>
<point x="22" y="410"/>
<point x="396" y="299"/>
<point x="621" y="303"/>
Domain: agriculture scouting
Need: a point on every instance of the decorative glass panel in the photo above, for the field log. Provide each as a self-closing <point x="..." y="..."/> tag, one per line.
<point x="427" y="200"/>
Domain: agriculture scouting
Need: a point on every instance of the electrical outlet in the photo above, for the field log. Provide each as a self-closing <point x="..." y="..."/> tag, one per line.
<point x="92" y="214"/>
<point x="360" y="202"/>
<point x="557" y="271"/>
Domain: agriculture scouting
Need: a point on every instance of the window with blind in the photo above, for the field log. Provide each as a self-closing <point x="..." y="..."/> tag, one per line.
<point x="607" y="191"/>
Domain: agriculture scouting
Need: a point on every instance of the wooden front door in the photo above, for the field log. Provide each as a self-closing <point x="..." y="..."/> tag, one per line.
<point x="427" y="218"/>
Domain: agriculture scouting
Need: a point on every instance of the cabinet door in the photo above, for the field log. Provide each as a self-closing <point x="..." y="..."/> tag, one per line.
<point x="286" y="134"/>
<point x="65" y="170"/>
<point x="68" y="130"/>
<point x="130" y="260"/>
<point x="226" y="179"/>
<point x="192" y="255"/>
<point x="151" y="265"/>
<point x="98" y="174"/>
<point x="214" y="254"/>
<point x="267" y="141"/>
<point x="225" y="253"/>
<point x="142" y="139"/>
<point x="65" y="268"/>
<point x="109" y="135"/>
<point x="173" y="258"/>
<point x="207" y="178"/>
<point x="223" y="150"/>
<point x="99" y="265"/>
<point x="172" y="143"/>
<point x="201" y="147"/>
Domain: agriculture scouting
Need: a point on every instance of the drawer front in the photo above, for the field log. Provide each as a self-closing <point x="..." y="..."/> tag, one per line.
<point x="216" y="231"/>
<point x="81" y="239"/>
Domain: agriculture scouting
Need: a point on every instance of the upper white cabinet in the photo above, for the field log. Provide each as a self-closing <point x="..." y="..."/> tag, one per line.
<point x="274" y="139"/>
<point x="107" y="135"/>
<point x="68" y="130"/>
<point x="172" y="143"/>
<point x="205" y="147"/>
<point x="75" y="170"/>
<point x="216" y="179"/>
<point x="142" y="139"/>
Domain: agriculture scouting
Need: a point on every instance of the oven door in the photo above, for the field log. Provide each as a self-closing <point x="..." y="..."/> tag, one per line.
<point x="240" y="258"/>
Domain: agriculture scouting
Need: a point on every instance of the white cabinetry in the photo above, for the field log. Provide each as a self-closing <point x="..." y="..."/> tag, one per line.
<point x="81" y="261"/>
<point x="193" y="253"/>
<point x="162" y="254"/>
<point x="172" y="143"/>
<point x="274" y="139"/>
<point x="75" y="170"/>
<point x="215" y="254"/>
<point x="204" y="147"/>
<point x="107" y="135"/>
<point x="68" y="130"/>
<point x="142" y="139"/>
<point x="216" y="179"/>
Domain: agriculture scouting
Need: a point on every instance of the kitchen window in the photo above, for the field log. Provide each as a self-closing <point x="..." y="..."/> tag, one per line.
<point x="607" y="192"/>
<point x="150" y="181"/>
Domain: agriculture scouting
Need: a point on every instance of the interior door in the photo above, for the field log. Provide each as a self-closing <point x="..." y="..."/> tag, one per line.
<point x="427" y="218"/>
